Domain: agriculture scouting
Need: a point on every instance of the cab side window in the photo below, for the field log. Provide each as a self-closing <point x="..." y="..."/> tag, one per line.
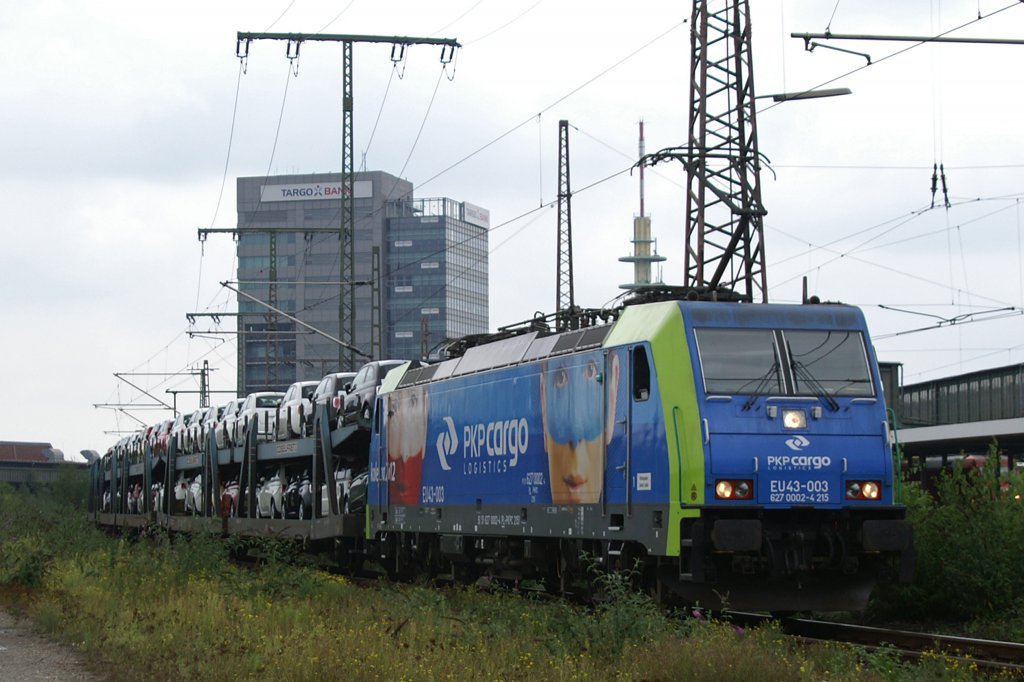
<point x="641" y="374"/>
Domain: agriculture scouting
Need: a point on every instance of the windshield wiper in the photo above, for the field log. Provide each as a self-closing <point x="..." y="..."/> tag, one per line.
<point x="805" y="375"/>
<point x="773" y="371"/>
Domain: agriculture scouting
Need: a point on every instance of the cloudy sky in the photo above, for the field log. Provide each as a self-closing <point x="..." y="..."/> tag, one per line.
<point x="125" y="124"/>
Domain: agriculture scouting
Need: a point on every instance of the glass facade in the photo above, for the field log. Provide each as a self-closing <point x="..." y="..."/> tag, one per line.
<point x="430" y="274"/>
<point x="437" y="280"/>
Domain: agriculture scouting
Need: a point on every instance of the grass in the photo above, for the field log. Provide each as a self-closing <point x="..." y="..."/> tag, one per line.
<point x="164" y="608"/>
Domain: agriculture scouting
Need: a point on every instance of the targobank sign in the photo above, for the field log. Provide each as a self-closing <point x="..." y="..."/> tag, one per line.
<point x="363" y="189"/>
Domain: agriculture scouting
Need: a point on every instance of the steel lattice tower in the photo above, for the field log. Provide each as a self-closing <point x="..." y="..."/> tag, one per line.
<point x="724" y="213"/>
<point x="565" y="302"/>
<point x="347" y="299"/>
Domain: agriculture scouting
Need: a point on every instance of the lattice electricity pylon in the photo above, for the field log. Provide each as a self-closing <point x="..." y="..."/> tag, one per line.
<point x="724" y="213"/>
<point x="565" y="299"/>
<point x="347" y="358"/>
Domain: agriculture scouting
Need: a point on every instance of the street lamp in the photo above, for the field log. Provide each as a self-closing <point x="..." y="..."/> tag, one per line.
<point x="807" y="94"/>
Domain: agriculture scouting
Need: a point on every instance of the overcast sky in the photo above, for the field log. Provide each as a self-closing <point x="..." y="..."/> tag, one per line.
<point x="126" y="123"/>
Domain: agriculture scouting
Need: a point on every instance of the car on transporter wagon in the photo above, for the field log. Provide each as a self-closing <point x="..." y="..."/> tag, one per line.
<point x="225" y="425"/>
<point x="361" y="392"/>
<point x="294" y="411"/>
<point x="260" y="409"/>
<point x="270" y="496"/>
<point x="330" y="392"/>
<point x="179" y="432"/>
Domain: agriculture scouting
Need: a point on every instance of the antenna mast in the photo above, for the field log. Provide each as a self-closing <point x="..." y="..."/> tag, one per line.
<point x="642" y="243"/>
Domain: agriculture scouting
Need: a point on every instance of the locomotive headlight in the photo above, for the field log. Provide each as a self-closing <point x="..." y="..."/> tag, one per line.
<point x="734" y="490"/>
<point x="863" y="490"/>
<point x="794" y="419"/>
<point x="870" y="490"/>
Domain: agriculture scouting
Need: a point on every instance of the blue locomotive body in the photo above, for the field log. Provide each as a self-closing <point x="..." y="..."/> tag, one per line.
<point x="728" y="446"/>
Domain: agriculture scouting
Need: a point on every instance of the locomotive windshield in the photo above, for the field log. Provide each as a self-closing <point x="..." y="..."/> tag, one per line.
<point x="833" y="362"/>
<point x="811" y="362"/>
<point x="739" y="361"/>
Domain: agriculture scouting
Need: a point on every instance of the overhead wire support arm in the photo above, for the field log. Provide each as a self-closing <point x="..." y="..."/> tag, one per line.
<point x="297" y="321"/>
<point x="810" y="48"/>
<point x="808" y="37"/>
<point x="120" y="376"/>
<point x="295" y="38"/>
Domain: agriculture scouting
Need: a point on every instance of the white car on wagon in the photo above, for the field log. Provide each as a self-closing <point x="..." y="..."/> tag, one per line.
<point x="225" y="427"/>
<point x="259" y="408"/>
<point x="295" y="408"/>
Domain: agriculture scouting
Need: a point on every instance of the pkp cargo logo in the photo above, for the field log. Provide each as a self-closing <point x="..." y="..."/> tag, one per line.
<point x="797" y="443"/>
<point x="447" y="443"/>
<point x="791" y="462"/>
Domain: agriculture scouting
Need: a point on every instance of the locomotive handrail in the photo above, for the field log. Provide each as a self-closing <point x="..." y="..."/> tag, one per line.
<point x="679" y="451"/>
<point x="897" y="456"/>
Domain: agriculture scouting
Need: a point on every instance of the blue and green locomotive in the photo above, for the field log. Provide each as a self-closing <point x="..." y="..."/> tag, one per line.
<point x="731" y="454"/>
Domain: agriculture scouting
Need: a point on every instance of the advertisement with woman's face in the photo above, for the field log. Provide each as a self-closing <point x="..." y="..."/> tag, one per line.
<point x="578" y="404"/>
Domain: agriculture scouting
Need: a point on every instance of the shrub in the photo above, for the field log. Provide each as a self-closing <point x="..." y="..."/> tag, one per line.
<point x="23" y="561"/>
<point x="969" y="541"/>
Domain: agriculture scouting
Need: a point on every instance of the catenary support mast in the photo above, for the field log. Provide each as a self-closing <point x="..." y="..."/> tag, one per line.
<point x="724" y="213"/>
<point x="347" y="360"/>
<point x="566" y="296"/>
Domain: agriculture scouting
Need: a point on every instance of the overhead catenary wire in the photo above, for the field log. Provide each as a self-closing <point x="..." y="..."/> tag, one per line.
<point x="867" y="248"/>
<point x="423" y="123"/>
<point x="901" y="272"/>
<point x="280" y="16"/>
<point x="553" y="104"/>
<point x="578" y="88"/>
<point x="891" y="55"/>
<point x="961" y="362"/>
<point x="828" y="26"/>
<point x="336" y="17"/>
<point x="506" y="24"/>
<point x="218" y="348"/>
<point x="376" y="122"/>
<point x="457" y="19"/>
<point x="900" y="221"/>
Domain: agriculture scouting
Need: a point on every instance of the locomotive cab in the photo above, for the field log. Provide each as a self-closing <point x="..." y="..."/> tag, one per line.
<point x="798" y="485"/>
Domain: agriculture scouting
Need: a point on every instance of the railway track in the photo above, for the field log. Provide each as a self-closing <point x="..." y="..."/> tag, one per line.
<point x="986" y="654"/>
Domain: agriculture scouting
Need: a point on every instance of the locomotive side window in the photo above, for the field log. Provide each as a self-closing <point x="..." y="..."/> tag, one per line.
<point x="741" y="361"/>
<point x="833" y="362"/>
<point x="641" y="374"/>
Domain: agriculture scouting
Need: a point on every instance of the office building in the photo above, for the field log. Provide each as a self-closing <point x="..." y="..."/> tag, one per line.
<point x="420" y="274"/>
